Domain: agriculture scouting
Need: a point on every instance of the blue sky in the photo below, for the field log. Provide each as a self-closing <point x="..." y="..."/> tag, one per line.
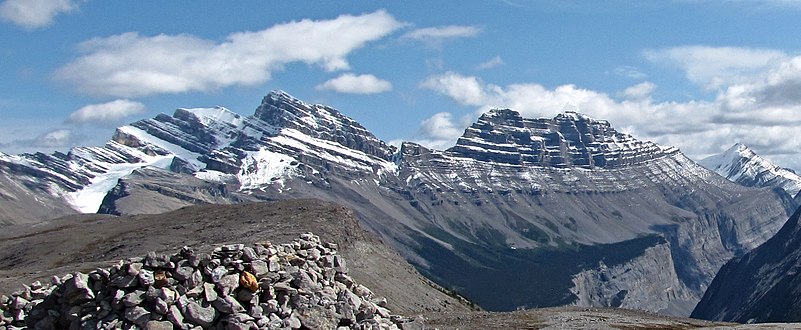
<point x="699" y="75"/>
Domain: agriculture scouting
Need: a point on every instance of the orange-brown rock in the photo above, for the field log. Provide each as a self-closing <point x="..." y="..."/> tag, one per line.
<point x="248" y="281"/>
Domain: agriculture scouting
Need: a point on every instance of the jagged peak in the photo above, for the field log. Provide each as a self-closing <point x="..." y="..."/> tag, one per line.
<point x="743" y="165"/>
<point x="284" y="111"/>
<point x="742" y="150"/>
<point x="278" y="108"/>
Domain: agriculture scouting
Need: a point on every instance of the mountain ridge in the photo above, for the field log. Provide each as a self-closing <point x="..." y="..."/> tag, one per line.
<point x="512" y="200"/>
<point x="741" y="164"/>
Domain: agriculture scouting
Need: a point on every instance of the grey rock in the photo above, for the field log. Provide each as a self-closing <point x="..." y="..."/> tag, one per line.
<point x="248" y="254"/>
<point x="127" y="281"/>
<point x="199" y="315"/>
<point x="195" y="280"/>
<point x="274" y="263"/>
<point x="160" y="306"/>
<point x="237" y="326"/>
<point x="183" y="273"/>
<point x="137" y="315"/>
<point x="134" y="268"/>
<point x="259" y="268"/>
<point x="209" y="294"/>
<point x="293" y="322"/>
<point x="228" y="283"/>
<point x="218" y="273"/>
<point x="158" y="325"/>
<point x="167" y="295"/>
<point x="176" y="317"/>
<point x="134" y="298"/>
<point x="77" y="289"/>
<point x="146" y="277"/>
<point x="247" y="296"/>
<point x="18" y="302"/>
<point x="228" y="305"/>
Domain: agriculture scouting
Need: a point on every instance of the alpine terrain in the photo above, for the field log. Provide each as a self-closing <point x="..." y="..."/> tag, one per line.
<point x="760" y="286"/>
<point x="520" y="213"/>
<point x="742" y="165"/>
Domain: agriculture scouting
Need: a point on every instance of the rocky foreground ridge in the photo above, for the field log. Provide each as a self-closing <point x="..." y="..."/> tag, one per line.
<point x="302" y="284"/>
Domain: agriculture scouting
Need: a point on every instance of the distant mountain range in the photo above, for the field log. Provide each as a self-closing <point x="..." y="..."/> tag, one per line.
<point x="742" y="165"/>
<point x="519" y="213"/>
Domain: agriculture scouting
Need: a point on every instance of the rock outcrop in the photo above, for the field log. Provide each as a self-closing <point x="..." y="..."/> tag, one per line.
<point x="303" y="284"/>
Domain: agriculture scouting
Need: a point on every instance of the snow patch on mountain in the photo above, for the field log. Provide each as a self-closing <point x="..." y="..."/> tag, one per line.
<point x="211" y="116"/>
<point x="264" y="167"/>
<point x="88" y="199"/>
<point x="742" y="165"/>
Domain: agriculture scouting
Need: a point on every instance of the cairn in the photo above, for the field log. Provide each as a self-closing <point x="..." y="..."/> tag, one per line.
<point x="300" y="285"/>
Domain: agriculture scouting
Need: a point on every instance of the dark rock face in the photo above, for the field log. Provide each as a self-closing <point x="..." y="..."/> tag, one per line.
<point x="760" y="286"/>
<point x="538" y="212"/>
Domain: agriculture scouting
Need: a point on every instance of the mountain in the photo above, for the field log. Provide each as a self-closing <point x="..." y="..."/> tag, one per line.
<point x="742" y="165"/>
<point x="519" y="213"/>
<point x="760" y="286"/>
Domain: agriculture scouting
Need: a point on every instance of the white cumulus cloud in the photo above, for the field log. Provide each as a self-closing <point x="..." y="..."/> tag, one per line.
<point x="129" y="64"/>
<point x="717" y="67"/>
<point x="436" y="36"/>
<point x="51" y="140"/>
<point x="629" y="72"/>
<point x="493" y="62"/>
<point x="441" y="130"/>
<point x="465" y="90"/>
<point x="32" y="14"/>
<point x="109" y="112"/>
<point x="639" y="91"/>
<point x="763" y="113"/>
<point x="352" y="84"/>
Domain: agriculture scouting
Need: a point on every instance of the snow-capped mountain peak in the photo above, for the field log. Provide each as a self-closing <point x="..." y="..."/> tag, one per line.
<point x="741" y="164"/>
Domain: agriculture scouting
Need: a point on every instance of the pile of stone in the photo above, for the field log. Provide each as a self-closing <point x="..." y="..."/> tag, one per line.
<point x="303" y="284"/>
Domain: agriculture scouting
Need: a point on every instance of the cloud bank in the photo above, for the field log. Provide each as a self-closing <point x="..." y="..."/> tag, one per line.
<point x="34" y="14"/>
<point x="131" y="65"/>
<point x="757" y="103"/>
<point x="106" y="113"/>
<point x="435" y="36"/>
<point x="493" y="62"/>
<point x="352" y="84"/>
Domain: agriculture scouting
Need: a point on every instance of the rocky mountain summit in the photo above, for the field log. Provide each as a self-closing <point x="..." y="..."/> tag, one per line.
<point x="742" y="165"/>
<point x="303" y="284"/>
<point x="541" y="212"/>
<point x="570" y="139"/>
